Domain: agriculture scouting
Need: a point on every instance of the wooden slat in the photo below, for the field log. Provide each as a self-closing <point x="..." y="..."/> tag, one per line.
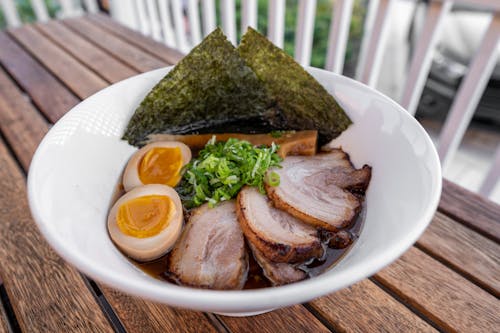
<point x="493" y="176"/>
<point x="47" y="93"/>
<point x="364" y="307"/>
<point x="69" y="8"/>
<point x="129" y="54"/>
<point x="422" y="57"/>
<point x="139" y="315"/>
<point x="248" y="14"/>
<point x="208" y="16"/>
<point x="470" y="91"/>
<point x="124" y="12"/>
<point x="19" y="121"/>
<point x="154" y="19"/>
<point x="371" y="62"/>
<point x="82" y="81"/>
<point x="140" y="8"/>
<point x="93" y="57"/>
<point x="339" y="31"/>
<point x="166" y="23"/>
<point x="228" y="17"/>
<point x="91" y="6"/>
<point x="276" y="19"/>
<point x="448" y="299"/>
<point x="305" y="31"/>
<point x="47" y="294"/>
<point x="292" y="319"/>
<point x="194" y="21"/>
<point x="170" y="56"/>
<point x="475" y="256"/>
<point x="40" y="10"/>
<point x="463" y="206"/>
<point x="10" y="13"/>
<point x="179" y="26"/>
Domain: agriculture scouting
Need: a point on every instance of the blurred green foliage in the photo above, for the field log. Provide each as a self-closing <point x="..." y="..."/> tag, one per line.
<point x="321" y="29"/>
<point x="26" y="13"/>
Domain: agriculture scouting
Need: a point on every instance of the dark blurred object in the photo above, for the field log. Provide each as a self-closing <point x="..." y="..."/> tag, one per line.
<point x="450" y="64"/>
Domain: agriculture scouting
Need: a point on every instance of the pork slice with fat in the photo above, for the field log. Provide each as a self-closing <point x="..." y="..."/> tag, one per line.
<point x="279" y="236"/>
<point x="324" y="190"/>
<point x="279" y="273"/>
<point x="211" y="251"/>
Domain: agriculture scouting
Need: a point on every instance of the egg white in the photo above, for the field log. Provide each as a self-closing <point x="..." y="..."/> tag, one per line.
<point x="149" y="248"/>
<point x="131" y="177"/>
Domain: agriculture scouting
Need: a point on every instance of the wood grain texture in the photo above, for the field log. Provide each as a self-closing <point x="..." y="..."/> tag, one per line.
<point x="292" y="319"/>
<point x="47" y="93"/>
<point x="106" y="66"/>
<point x="129" y="54"/>
<point x="364" y="307"/>
<point x="81" y="80"/>
<point x="471" y="209"/>
<point x="169" y="55"/>
<point x="475" y="256"/>
<point x="448" y="299"/>
<point x="19" y="120"/>
<point x="47" y="295"/>
<point x="139" y="315"/>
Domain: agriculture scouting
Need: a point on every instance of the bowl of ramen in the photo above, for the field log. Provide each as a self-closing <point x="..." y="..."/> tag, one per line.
<point x="236" y="182"/>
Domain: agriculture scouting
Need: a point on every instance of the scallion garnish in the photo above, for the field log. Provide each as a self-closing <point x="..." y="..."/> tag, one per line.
<point x="223" y="168"/>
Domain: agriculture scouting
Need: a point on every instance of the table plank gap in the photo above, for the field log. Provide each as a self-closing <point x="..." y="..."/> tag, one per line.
<point x="103" y="64"/>
<point x="345" y="310"/>
<point x="321" y="317"/>
<point x="470" y="254"/>
<point x="161" y="51"/>
<point x="139" y="315"/>
<point x="20" y="122"/>
<point x="471" y="209"/>
<point x="131" y="55"/>
<point x="290" y="319"/>
<point x="8" y="320"/>
<point x="75" y="75"/>
<point x="49" y="295"/>
<point x="217" y="322"/>
<point x="440" y="294"/>
<point x="47" y="92"/>
<point x="105" y="306"/>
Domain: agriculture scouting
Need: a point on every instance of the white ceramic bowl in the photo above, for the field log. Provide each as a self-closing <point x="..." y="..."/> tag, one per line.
<point x="78" y="164"/>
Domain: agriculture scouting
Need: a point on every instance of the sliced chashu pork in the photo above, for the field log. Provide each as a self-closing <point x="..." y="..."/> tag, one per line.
<point x="319" y="189"/>
<point x="278" y="273"/>
<point x="276" y="234"/>
<point x="211" y="250"/>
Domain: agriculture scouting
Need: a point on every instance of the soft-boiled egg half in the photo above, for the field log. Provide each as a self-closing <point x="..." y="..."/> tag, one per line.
<point x="156" y="163"/>
<point x="146" y="222"/>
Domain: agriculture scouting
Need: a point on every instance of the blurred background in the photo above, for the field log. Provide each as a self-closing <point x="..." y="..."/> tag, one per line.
<point x="460" y="38"/>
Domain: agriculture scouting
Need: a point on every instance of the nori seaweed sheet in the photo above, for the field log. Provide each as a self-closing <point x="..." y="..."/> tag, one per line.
<point x="210" y="90"/>
<point x="302" y="100"/>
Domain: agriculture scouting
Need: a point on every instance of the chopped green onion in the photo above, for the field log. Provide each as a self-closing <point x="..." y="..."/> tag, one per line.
<point x="272" y="178"/>
<point x="223" y="168"/>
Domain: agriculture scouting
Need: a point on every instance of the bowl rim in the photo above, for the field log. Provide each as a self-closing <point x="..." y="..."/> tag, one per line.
<point x="251" y="299"/>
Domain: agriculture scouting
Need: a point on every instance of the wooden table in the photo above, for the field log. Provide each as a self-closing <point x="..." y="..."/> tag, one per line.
<point x="449" y="281"/>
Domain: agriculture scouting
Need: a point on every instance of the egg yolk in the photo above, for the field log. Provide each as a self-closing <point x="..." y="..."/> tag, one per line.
<point x="161" y="166"/>
<point x="145" y="216"/>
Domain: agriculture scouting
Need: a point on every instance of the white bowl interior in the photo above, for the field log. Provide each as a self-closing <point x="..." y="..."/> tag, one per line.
<point x="75" y="171"/>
